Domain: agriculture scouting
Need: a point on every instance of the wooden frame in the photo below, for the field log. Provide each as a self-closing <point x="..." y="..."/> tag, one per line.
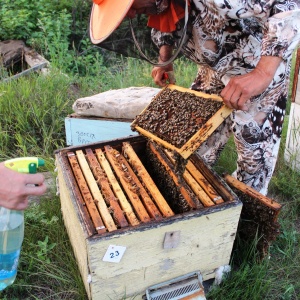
<point x="201" y="135"/>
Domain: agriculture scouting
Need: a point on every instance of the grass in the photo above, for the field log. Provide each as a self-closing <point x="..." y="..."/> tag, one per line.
<point x="32" y="112"/>
<point x="276" y="277"/>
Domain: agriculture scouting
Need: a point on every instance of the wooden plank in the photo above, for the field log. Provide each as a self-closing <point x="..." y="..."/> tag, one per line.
<point x="129" y="213"/>
<point x="207" y="187"/>
<point x="88" y="199"/>
<point x="169" y="169"/>
<point x="107" y="193"/>
<point x="144" y="176"/>
<point x="193" y="183"/>
<point x="67" y="181"/>
<point x="275" y="206"/>
<point x="33" y="58"/>
<point x="296" y="77"/>
<point x="202" y="135"/>
<point x="210" y="176"/>
<point x="98" y="198"/>
<point x="131" y="184"/>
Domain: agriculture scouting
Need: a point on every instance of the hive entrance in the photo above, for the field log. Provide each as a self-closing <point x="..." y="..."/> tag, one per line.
<point x="189" y="286"/>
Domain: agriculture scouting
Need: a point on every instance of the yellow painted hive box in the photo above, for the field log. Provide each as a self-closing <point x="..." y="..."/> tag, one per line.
<point x="135" y="219"/>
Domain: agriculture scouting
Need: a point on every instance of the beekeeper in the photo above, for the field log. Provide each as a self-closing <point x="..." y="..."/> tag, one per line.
<point x="243" y="50"/>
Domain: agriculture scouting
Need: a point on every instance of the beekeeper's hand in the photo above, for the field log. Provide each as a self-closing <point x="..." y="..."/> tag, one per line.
<point x="15" y="187"/>
<point x="159" y="74"/>
<point x="239" y="90"/>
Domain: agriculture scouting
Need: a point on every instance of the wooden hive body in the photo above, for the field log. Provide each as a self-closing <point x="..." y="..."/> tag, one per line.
<point x="81" y="130"/>
<point x="156" y="251"/>
<point x="292" y="153"/>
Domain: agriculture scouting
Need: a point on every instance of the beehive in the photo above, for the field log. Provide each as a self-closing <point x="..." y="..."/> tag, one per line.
<point x="154" y="240"/>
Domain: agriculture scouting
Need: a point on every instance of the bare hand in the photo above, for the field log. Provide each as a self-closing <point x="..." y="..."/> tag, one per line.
<point x="158" y="75"/>
<point x="16" y="187"/>
<point x="241" y="88"/>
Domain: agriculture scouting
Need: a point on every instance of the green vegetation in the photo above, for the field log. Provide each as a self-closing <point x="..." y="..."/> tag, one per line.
<point x="276" y="276"/>
<point x="32" y="111"/>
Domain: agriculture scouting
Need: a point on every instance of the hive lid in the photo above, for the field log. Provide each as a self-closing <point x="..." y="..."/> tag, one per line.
<point x="181" y="119"/>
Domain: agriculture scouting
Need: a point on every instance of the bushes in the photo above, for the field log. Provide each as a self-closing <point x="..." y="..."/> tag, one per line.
<point x="22" y="19"/>
<point x="19" y="19"/>
<point x="53" y="28"/>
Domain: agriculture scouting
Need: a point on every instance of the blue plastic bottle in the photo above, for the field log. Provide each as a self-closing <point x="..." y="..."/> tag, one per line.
<point x="11" y="238"/>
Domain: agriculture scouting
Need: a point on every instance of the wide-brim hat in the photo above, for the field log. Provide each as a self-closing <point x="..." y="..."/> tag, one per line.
<point x="106" y="17"/>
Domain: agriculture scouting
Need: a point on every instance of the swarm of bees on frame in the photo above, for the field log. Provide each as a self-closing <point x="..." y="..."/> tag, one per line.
<point x="257" y="221"/>
<point x="176" y="116"/>
<point x="165" y="183"/>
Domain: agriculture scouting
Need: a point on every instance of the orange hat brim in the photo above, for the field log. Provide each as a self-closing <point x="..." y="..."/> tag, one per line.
<point x="106" y="17"/>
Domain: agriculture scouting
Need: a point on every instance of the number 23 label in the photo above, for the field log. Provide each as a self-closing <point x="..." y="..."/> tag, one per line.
<point x="114" y="253"/>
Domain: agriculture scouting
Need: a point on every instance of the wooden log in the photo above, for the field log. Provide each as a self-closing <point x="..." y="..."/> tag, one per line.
<point x="178" y="182"/>
<point x="88" y="199"/>
<point x="129" y="213"/>
<point x="193" y="183"/>
<point x="131" y="183"/>
<point x="207" y="187"/>
<point x="89" y="173"/>
<point x="144" y="176"/>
